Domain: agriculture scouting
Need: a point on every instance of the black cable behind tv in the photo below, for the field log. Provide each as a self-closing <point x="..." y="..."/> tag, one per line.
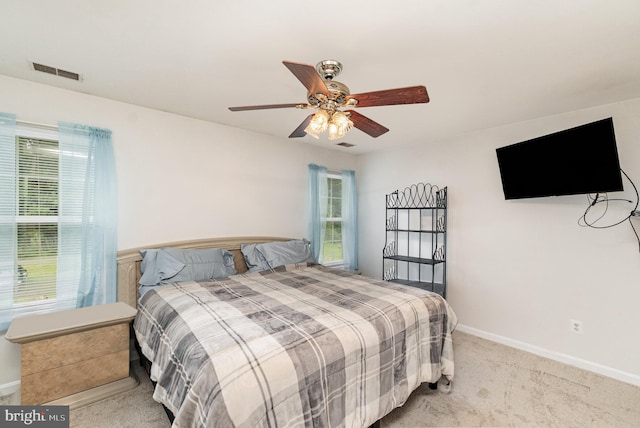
<point x="579" y="160"/>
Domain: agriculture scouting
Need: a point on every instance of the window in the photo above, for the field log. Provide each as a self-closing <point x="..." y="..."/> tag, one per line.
<point x="332" y="244"/>
<point x="332" y="217"/>
<point x="37" y="219"/>
<point x="58" y="213"/>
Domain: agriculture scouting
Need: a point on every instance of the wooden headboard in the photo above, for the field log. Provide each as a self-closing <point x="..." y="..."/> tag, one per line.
<point x="129" y="260"/>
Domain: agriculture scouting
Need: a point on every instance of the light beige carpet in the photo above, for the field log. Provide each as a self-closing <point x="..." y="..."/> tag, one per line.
<point x="499" y="386"/>
<point x="494" y="386"/>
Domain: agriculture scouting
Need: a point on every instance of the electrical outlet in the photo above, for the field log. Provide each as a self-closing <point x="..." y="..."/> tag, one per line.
<point x="575" y="326"/>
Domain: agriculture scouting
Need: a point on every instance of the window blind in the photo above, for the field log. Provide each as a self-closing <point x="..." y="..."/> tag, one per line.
<point x="37" y="220"/>
<point x="58" y="212"/>
<point x="332" y="248"/>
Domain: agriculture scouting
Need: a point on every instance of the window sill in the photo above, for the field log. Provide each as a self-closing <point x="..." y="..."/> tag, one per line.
<point x="341" y="266"/>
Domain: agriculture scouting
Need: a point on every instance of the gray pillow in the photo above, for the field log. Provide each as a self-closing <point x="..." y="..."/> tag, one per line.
<point x="148" y="259"/>
<point x="253" y="258"/>
<point x="286" y="253"/>
<point x="149" y="268"/>
<point x="198" y="264"/>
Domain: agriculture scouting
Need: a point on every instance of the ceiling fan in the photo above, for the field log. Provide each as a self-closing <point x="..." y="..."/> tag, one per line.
<point x="330" y="97"/>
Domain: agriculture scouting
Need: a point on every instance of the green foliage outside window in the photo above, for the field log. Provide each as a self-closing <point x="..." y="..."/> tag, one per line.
<point x="332" y="250"/>
<point x="37" y="182"/>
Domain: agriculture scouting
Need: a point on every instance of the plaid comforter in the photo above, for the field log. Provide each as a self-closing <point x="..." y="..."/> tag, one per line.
<point x="295" y="346"/>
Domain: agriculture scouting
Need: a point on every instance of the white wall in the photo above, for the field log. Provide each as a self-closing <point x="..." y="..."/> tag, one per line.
<point x="180" y="178"/>
<point x="519" y="271"/>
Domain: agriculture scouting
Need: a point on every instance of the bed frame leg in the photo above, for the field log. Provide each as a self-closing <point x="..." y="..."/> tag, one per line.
<point x="433" y="385"/>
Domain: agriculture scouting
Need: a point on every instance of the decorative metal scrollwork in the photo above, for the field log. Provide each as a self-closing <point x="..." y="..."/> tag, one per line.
<point x="390" y="250"/>
<point x="392" y="223"/>
<point x="415" y="239"/>
<point x="390" y="274"/>
<point x="421" y="195"/>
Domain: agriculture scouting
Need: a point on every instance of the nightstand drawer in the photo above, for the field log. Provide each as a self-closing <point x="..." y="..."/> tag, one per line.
<point x="45" y="354"/>
<point x="60" y="382"/>
<point x="74" y="356"/>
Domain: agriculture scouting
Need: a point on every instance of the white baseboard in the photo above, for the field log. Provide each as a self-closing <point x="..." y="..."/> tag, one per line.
<point x="620" y="375"/>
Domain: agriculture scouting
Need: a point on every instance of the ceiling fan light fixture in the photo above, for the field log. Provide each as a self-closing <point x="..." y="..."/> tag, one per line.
<point x="339" y="125"/>
<point x="342" y="120"/>
<point x="334" y="133"/>
<point x="328" y="96"/>
<point x="318" y="124"/>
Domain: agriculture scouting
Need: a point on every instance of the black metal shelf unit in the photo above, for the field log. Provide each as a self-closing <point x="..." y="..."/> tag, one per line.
<point x="416" y="236"/>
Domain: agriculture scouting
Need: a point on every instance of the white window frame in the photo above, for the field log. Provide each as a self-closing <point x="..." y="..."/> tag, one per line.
<point x="40" y="133"/>
<point x="327" y="220"/>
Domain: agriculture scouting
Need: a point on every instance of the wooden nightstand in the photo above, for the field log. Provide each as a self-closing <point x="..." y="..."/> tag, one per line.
<point x="74" y="357"/>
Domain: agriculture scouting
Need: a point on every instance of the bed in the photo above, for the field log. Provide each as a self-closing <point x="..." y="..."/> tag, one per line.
<point x="297" y="344"/>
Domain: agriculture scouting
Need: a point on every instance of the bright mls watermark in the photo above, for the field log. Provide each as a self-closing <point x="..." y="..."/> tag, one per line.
<point x="34" y="416"/>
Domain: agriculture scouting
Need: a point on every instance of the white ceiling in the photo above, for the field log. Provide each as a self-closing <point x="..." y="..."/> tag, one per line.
<point x="484" y="63"/>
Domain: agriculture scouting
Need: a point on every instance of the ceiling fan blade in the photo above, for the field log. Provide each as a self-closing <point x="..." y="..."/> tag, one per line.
<point x="366" y="125"/>
<point x="264" y="107"/>
<point x="309" y="77"/>
<point x="299" y="131"/>
<point x="389" y="97"/>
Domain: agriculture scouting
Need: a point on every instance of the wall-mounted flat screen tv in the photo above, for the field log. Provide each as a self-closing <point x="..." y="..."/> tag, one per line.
<point x="579" y="160"/>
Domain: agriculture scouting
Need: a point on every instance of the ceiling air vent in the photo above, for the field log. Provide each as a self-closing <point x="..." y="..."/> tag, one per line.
<point x="343" y="144"/>
<point x="55" y="71"/>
